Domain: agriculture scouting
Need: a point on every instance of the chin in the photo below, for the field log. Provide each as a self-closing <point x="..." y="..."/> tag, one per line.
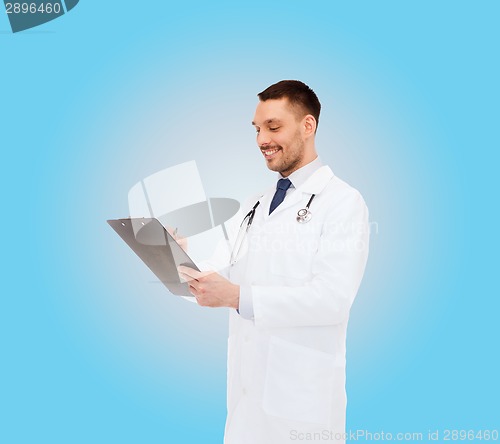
<point x="276" y="168"/>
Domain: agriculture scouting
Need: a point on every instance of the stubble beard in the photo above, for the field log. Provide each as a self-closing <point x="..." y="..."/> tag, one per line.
<point x="292" y="159"/>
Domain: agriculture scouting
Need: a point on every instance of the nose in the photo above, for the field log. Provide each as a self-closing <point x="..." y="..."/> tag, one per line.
<point x="263" y="139"/>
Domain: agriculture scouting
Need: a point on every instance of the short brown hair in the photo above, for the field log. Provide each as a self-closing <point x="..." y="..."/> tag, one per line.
<point x="298" y="94"/>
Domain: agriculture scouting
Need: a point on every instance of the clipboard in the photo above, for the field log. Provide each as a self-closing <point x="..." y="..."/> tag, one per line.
<point x="154" y="245"/>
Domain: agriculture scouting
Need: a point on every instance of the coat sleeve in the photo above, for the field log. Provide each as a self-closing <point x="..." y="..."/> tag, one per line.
<point x="337" y="269"/>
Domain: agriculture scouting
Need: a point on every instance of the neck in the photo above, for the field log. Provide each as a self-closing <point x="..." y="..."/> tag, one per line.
<point x="305" y="161"/>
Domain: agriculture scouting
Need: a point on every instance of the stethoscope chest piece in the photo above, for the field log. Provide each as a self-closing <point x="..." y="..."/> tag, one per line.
<point x="303" y="216"/>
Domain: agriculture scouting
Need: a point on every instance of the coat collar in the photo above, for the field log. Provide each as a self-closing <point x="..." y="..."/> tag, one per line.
<point x="315" y="184"/>
<point x="317" y="181"/>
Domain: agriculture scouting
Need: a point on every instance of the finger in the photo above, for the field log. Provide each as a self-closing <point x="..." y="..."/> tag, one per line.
<point x="192" y="273"/>
<point x="193" y="284"/>
<point x="183" y="276"/>
<point x="186" y="278"/>
<point x="170" y="230"/>
<point x="193" y="291"/>
<point x="187" y="271"/>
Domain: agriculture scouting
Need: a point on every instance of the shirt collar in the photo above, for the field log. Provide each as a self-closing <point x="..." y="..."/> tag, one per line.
<point x="298" y="177"/>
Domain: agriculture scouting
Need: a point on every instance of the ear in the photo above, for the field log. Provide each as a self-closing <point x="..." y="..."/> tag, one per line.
<point x="309" y="125"/>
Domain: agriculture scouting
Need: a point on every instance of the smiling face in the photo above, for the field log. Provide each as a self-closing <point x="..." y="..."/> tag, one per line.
<point x="284" y="136"/>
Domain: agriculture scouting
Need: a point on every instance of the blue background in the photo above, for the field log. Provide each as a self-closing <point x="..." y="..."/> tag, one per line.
<point x="93" y="351"/>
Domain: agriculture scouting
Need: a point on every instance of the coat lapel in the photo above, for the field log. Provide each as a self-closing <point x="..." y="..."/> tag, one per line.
<point x="314" y="185"/>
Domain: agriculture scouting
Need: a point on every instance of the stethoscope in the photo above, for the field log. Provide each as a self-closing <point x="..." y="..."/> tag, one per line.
<point x="304" y="215"/>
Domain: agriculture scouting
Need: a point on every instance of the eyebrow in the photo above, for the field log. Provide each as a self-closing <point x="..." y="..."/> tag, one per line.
<point x="268" y="121"/>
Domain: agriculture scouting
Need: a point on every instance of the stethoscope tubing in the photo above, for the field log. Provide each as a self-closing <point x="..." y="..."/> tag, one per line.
<point x="303" y="216"/>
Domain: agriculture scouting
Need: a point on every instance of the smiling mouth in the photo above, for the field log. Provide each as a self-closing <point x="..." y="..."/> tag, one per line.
<point x="270" y="153"/>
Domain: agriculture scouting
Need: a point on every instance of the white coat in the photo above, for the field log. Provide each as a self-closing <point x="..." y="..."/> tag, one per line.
<point x="286" y="368"/>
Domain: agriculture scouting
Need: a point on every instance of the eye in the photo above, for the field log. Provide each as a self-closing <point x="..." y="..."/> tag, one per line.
<point x="257" y="130"/>
<point x="274" y="129"/>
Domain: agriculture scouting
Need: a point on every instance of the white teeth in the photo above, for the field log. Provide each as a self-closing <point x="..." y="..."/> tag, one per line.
<point x="268" y="153"/>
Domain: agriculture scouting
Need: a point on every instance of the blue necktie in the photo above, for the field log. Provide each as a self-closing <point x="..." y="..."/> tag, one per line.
<point x="279" y="196"/>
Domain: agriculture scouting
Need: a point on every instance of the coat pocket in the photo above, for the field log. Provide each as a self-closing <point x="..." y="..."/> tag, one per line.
<point x="299" y="382"/>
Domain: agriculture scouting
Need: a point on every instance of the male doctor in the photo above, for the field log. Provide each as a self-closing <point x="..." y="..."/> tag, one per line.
<point x="291" y="284"/>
